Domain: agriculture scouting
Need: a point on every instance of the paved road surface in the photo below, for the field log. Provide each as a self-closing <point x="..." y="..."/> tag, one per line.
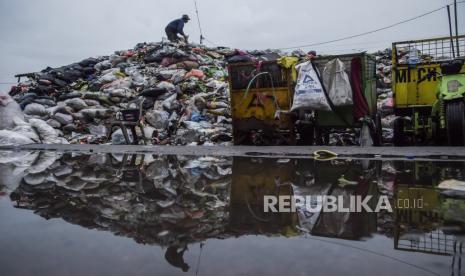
<point x="443" y="153"/>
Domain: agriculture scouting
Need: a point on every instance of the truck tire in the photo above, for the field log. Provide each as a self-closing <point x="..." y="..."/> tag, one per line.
<point x="455" y="123"/>
<point x="437" y="135"/>
<point x="399" y="134"/>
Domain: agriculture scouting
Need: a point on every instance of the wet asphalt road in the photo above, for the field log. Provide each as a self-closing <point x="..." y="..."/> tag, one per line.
<point x="275" y="151"/>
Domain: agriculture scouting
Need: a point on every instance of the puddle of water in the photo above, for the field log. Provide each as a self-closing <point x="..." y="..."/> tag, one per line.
<point x="115" y="214"/>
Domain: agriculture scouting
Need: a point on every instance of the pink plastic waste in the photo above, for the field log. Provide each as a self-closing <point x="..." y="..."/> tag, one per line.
<point x="195" y="73"/>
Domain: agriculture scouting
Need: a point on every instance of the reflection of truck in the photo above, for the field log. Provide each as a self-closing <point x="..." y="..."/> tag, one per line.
<point x="428" y="91"/>
<point x="426" y="220"/>
<point x="252" y="179"/>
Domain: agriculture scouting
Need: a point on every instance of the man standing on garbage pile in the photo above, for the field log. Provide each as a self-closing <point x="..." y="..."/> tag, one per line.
<point x="176" y="27"/>
<point x="311" y="55"/>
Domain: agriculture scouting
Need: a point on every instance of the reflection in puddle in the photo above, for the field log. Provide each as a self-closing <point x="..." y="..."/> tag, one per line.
<point x="177" y="201"/>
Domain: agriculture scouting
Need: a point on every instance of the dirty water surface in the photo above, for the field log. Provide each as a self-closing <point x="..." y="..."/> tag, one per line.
<point x="123" y="214"/>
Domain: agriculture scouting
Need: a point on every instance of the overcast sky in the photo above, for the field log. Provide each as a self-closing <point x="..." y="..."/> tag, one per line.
<point x="40" y="33"/>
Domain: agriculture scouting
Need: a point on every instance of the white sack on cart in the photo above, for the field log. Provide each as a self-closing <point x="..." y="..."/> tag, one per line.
<point x="309" y="92"/>
<point x="337" y="84"/>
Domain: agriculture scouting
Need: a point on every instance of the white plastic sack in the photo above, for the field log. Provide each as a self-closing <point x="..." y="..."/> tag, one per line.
<point x="337" y="84"/>
<point x="167" y="85"/>
<point x="11" y="138"/>
<point x="308" y="217"/>
<point x="47" y="134"/>
<point x="149" y="132"/>
<point x="27" y="131"/>
<point x="35" y="109"/>
<point x="109" y="75"/>
<point x="9" y="111"/>
<point x="76" y="103"/>
<point x="158" y="119"/>
<point x="168" y="103"/>
<point x="309" y="92"/>
<point x="117" y="137"/>
<point x="44" y="161"/>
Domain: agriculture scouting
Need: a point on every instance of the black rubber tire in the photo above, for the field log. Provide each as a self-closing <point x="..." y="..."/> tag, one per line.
<point x="399" y="133"/>
<point x="437" y="135"/>
<point x="455" y="123"/>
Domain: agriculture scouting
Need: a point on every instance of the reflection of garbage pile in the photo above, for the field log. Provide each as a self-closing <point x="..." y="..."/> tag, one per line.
<point x="175" y="201"/>
<point x="14" y="166"/>
<point x="154" y="200"/>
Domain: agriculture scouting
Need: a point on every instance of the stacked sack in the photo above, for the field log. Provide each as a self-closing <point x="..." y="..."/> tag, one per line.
<point x="183" y="86"/>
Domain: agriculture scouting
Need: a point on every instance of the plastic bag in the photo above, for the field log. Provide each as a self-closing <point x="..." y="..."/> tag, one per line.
<point x="166" y="85"/>
<point x="195" y="73"/>
<point x="11" y="138"/>
<point x="158" y="119"/>
<point x="169" y="103"/>
<point x="76" y="103"/>
<point x="117" y="137"/>
<point x="9" y="112"/>
<point x="62" y="118"/>
<point x="35" y="109"/>
<point x="337" y="84"/>
<point x="309" y="92"/>
<point x="27" y="131"/>
<point x="309" y="217"/>
<point x="46" y="133"/>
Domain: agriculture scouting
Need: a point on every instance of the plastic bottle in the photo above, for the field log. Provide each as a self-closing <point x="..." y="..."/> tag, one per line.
<point x="413" y="58"/>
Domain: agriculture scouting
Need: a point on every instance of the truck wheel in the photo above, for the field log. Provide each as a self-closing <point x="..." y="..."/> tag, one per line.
<point x="438" y="139"/>
<point x="399" y="133"/>
<point x="455" y="123"/>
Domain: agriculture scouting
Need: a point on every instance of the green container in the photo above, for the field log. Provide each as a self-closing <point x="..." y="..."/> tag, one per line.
<point x="331" y="119"/>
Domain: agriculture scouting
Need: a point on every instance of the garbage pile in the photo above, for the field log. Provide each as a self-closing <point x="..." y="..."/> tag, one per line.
<point x="384" y="91"/>
<point x="408" y="54"/>
<point x="183" y="88"/>
<point x="153" y="200"/>
<point x="180" y="90"/>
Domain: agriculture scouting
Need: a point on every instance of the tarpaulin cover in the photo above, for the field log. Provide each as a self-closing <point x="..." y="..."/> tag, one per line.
<point x="360" y="103"/>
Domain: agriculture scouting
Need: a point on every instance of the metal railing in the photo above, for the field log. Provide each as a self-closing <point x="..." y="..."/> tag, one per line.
<point x="430" y="50"/>
<point x="434" y="242"/>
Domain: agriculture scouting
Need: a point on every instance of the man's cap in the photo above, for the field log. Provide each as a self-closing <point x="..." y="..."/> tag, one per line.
<point x="185" y="17"/>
